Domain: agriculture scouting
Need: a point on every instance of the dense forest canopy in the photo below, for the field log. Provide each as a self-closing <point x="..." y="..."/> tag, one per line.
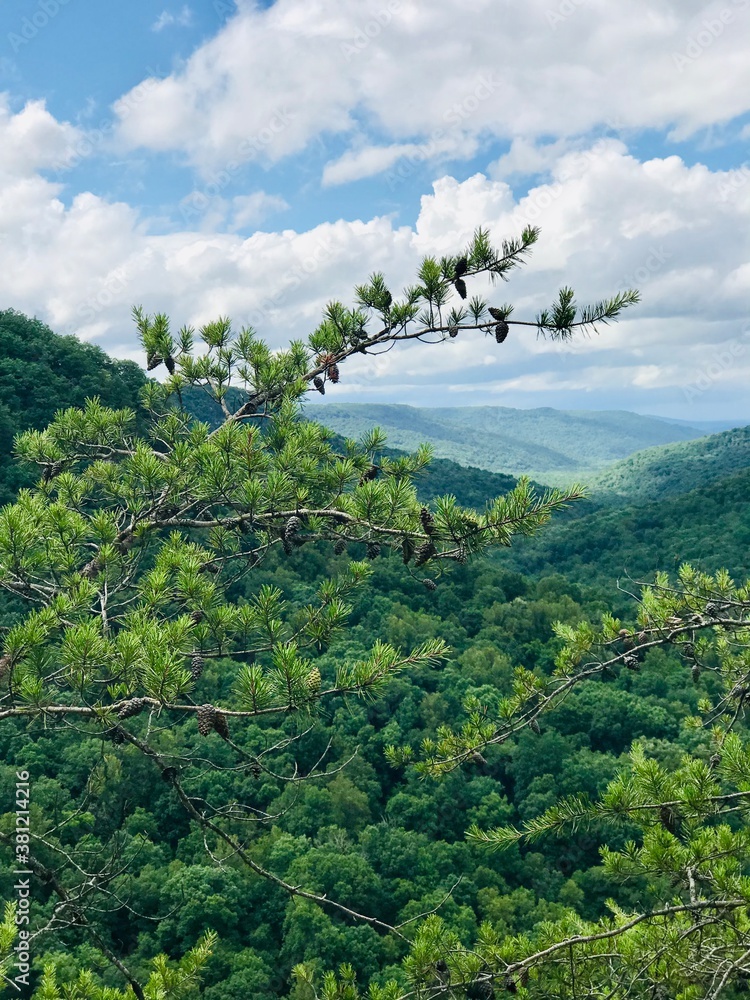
<point x="295" y="722"/>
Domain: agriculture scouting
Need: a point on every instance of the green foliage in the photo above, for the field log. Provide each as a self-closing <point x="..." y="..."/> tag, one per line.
<point x="294" y="596"/>
<point x="41" y="373"/>
<point x="673" y="469"/>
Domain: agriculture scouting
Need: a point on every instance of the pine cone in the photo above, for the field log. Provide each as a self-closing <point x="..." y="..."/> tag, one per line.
<point x="152" y="361"/>
<point x="712" y="609"/>
<point x="428" y="521"/>
<point x="313" y="681"/>
<point x="534" y="727"/>
<point x="255" y="769"/>
<point x="333" y="373"/>
<point x="510" y="984"/>
<point x="460" y="286"/>
<point x="206" y="715"/>
<point x="125" y="543"/>
<point x="373" y="550"/>
<point x="407" y="550"/>
<point x="477" y="758"/>
<point x="429" y="584"/>
<point x="524" y="977"/>
<point x="319" y="385"/>
<point x="169" y="774"/>
<point x="631" y="662"/>
<point x="668" y="819"/>
<point x="197" y="664"/>
<point x="688" y="650"/>
<point x="501" y="332"/>
<point x="481" y="989"/>
<point x="169" y="362"/>
<point x="453" y="331"/>
<point x="714" y="760"/>
<point x="339" y="546"/>
<point x="50" y="471"/>
<point x="91" y="569"/>
<point x="291" y="528"/>
<point x="695" y="673"/>
<point x="462" y="266"/>
<point x="116" y="735"/>
<point x="497" y="314"/>
<point x="424" y="553"/>
<point x="220" y="725"/>
<point x="134" y="706"/>
<point x="5" y="665"/>
<point x="196" y="617"/>
<point x="368" y="476"/>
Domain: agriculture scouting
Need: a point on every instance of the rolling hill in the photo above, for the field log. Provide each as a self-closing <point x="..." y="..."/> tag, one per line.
<point x="674" y="469"/>
<point x="551" y="446"/>
<point x="708" y="526"/>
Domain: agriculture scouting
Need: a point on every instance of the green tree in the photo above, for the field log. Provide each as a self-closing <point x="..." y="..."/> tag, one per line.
<point x="134" y="546"/>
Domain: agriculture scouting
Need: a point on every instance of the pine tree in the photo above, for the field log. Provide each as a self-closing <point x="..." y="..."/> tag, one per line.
<point x="125" y="557"/>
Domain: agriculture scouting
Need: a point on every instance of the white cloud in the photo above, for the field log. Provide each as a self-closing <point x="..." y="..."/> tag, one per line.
<point x="251" y="209"/>
<point x="33" y="139"/>
<point x="678" y="232"/>
<point x="166" y="19"/>
<point x="416" y="73"/>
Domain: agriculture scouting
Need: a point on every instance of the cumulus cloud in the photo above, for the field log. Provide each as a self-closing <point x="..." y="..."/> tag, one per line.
<point x="252" y="209"/>
<point x="608" y="220"/>
<point x="33" y="140"/>
<point x="416" y="72"/>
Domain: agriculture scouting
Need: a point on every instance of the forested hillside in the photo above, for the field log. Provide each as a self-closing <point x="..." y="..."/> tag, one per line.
<point x="379" y="839"/>
<point x="672" y="469"/>
<point x="41" y="373"/>
<point x="551" y="446"/>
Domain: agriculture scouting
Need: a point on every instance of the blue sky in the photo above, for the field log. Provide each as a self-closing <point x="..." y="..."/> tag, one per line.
<point x="258" y="159"/>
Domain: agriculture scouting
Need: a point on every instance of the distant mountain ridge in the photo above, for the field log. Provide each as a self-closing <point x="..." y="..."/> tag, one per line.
<point x="673" y="469"/>
<point x="553" y="446"/>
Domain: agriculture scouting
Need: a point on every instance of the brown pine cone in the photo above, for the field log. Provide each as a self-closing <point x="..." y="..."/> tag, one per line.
<point x="424" y="553"/>
<point x="197" y="664"/>
<point x="206" y="715"/>
<point x="134" y="706"/>
<point x="91" y="569"/>
<point x="220" y="725"/>
<point x="407" y="550"/>
<point x="428" y="521"/>
<point x="319" y="385"/>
